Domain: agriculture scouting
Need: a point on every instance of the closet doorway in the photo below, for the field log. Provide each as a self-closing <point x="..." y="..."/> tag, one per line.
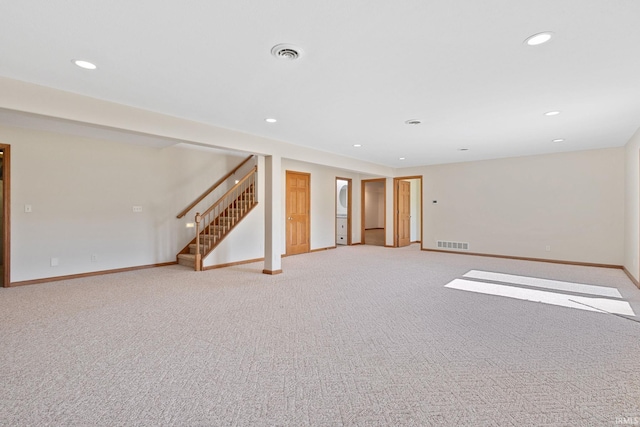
<point x="343" y="211"/>
<point x="374" y="215"/>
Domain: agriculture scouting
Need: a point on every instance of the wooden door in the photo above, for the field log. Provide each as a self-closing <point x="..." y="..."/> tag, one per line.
<point x="5" y="226"/>
<point x="404" y="213"/>
<point x="298" y="208"/>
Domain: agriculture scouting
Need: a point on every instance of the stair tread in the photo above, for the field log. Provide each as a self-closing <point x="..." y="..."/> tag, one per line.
<point x="208" y="237"/>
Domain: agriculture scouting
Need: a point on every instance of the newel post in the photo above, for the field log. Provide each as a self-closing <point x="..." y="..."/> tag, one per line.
<point x="197" y="262"/>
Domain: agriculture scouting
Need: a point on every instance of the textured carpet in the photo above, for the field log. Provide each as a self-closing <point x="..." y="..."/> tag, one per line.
<point x="356" y="336"/>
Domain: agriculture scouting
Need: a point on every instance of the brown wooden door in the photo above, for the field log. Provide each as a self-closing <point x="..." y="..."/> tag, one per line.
<point x="298" y="207"/>
<point x="404" y="213"/>
<point x="5" y="222"/>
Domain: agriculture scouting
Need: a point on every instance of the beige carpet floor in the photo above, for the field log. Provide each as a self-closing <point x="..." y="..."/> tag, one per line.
<point x="356" y="336"/>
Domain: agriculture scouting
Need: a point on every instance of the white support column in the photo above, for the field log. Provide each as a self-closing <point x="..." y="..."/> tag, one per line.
<point x="273" y="215"/>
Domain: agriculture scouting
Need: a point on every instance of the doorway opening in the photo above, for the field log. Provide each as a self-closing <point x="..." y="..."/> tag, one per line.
<point x="343" y="211"/>
<point x="407" y="211"/>
<point x="5" y="223"/>
<point x="374" y="215"/>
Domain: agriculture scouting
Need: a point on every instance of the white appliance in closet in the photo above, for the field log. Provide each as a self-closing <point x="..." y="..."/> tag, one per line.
<point x="341" y="211"/>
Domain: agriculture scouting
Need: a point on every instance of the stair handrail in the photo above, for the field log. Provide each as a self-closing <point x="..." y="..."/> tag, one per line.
<point x="223" y="199"/>
<point x="231" y="190"/>
<point x="212" y="188"/>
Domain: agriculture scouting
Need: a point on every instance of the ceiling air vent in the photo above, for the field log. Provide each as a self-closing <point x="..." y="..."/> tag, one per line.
<point x="413" y="122"/>
<point x="286" y="51"/>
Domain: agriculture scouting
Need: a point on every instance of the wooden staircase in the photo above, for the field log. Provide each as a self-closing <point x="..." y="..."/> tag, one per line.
<point x="217" y="222"/>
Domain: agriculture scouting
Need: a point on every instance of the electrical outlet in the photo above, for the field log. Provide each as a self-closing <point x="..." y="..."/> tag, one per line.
<point x="94" y="257"/>
<point x="54" y="262"/>
<point x="548" y="248"/>
<point x="137" y="209"/>
<point x="27" y="208"/>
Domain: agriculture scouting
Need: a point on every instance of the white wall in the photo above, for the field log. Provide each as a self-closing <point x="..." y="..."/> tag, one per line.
<point x="82" y="192"/>
<point x="572" y="202"/>
<point x="389" y="211"/>
<point x="632" y="206"/>
<point x="416" y="200"/>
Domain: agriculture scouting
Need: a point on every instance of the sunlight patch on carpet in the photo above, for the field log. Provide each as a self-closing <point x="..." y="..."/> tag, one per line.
<point x="545" y="297"/>
<point x="544" y="283"/>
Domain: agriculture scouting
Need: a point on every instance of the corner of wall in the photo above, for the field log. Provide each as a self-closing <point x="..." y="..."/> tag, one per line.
<point x="632" y="207"/>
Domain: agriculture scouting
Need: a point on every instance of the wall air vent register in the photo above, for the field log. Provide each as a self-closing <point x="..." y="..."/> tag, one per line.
<point x="453" y="245"/>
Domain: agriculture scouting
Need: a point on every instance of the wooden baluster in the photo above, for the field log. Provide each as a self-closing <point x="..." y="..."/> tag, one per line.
<point x="197" y="262"/>
<point x="234" y="203"/>
<point x="208" y="229"/>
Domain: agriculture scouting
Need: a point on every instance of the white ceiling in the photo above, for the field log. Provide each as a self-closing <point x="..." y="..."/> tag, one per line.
<point x="460" y="66"/>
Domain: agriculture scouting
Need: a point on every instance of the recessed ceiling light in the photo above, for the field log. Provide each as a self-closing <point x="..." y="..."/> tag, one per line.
<point x="270" y="120"/>
<point x="357" y="145"/>
<point x="413" y="122"/>
<point x="552" y="113"/>
<point x="558" y="140"/>
<point x="401" y="158"/>
<point x="84" y="64"/>
<point x="538" y="39"/>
